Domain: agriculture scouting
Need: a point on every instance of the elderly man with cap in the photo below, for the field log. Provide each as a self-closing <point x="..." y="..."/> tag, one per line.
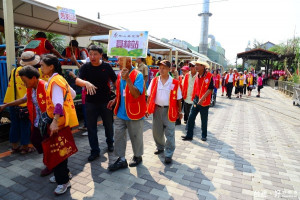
<point x="130" y="110"/>
<point x="185" y="70"/>
<point x="187" y="90"/>
<point x="164" y="101"/>
<point x="201" y="96"/>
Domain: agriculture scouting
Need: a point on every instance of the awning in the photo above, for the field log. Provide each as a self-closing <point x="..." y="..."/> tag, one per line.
<point x="39" y="16"/>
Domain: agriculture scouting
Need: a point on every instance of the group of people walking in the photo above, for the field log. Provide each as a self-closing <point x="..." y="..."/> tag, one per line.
<point x="242" y="82"/>
<point x="49" y="102"/>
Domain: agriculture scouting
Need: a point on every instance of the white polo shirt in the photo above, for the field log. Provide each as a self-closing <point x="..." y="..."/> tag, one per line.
<point x="163" y="92"/>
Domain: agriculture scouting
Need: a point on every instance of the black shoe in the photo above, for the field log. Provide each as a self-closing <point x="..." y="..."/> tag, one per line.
<point x="185" y="122"/>
<point x="183" y="136"/>
<point x="177" y="123"/>
<point x="186" y="138"/>
<point x="135" y="161"/>
<point x="110" y="148"/>
<point x="119" y="164"/>
<point x="158" y="152"/>
<point x="229" y="97"/>
<point x="168" y="160"/>
<point x="203" y="139"/>
<point x="92" y="157"/>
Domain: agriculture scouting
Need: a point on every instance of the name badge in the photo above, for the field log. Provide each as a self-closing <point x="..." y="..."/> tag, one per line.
<point x="172" y="86"/>
<point x="206" y="80"/>
<point x="124" y="94"/>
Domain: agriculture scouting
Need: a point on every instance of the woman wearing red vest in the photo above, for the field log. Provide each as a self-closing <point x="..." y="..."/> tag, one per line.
<point x="201" y="100"/>
<point x="36" y="104"/>
<point x="216" y="79"/>
<point x="164" y="101"/>
<point x="130" y="110"/>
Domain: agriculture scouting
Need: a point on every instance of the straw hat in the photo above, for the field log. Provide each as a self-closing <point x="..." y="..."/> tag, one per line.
<point x="29" y="58"/>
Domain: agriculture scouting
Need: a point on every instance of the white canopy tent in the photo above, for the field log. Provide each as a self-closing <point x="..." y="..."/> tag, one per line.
<point x="39" y="16"/>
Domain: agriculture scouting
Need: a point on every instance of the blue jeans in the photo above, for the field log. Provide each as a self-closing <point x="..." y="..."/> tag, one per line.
<point x="93" y="111"/>
<point x="193" y="114"/>
<point x="19" y="129"/>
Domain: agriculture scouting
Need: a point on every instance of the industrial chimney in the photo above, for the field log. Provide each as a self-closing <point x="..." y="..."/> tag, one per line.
<point x="204" y="27"/>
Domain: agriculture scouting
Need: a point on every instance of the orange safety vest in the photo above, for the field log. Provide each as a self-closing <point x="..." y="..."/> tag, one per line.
<point x="135" y="107"/>
<point x="37" y="45"/>
<point x="185" y="86"/>
<point x="241" y="81"/>
<point x="250" y="80"/>
<point x="69" y="118"/>
<point x="41" y="99"/>
<point x="173" y="108"/>
<point x="200" y="88"/>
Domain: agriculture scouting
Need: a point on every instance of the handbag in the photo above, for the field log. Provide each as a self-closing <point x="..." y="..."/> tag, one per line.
<point x="44" y="121"/>
<point x="22" y="112"/>
<point x="58" y="147"/>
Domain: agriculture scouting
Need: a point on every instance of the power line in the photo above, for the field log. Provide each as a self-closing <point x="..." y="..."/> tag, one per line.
<point x="161" y="8"/>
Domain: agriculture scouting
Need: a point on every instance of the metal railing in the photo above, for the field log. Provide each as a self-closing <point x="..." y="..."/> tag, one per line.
<point x="273" y="83"/>
<point x="285" y="87"/>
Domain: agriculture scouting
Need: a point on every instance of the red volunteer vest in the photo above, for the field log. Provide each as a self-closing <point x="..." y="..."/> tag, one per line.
<point x="180" y="78"/>
<point x="37" y="46"/>
<point x="227" y="78"/>
<point x="69" y="55"/>
<point x="217" y="81"/>
<point x="135" y="107"/>
<point x="41" y="99"/>
<point x="185" y="86"/>
<point x="85" y="51"/>
<point x="173" y="109"/>
<point x="200" y="88"/>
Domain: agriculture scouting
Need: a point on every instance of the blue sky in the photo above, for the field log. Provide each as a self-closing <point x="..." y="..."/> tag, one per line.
<point x="233" y="23"/>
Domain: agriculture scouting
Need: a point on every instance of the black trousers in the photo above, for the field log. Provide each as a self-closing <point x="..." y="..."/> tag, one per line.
<point x="245" y="88"/>
<point x="229" y="87"/>
<point x="187" y="109"/>
<point x="93" y="110"/>
<point x="61" y="172"/>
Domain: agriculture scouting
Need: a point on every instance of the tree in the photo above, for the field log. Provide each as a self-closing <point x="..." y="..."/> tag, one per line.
<point x="24" y="35"/>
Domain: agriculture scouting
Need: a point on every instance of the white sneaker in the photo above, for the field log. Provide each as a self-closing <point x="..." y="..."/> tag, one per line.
<point x="84" y="134"/>
<point x="52" y="179"/>
<point x="60" y="189"/>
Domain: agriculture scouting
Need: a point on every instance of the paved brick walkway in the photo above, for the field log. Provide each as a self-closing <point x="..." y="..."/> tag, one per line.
<point x="252" y="152"/>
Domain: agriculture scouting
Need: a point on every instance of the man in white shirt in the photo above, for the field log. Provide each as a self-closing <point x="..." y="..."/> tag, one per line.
<point x="229" y="80"/>
<point x="187" y="90"/>
<point x="164" y="101"/>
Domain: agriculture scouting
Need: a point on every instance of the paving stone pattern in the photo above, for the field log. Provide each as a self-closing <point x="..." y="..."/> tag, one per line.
<point x="252" y="152"/>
